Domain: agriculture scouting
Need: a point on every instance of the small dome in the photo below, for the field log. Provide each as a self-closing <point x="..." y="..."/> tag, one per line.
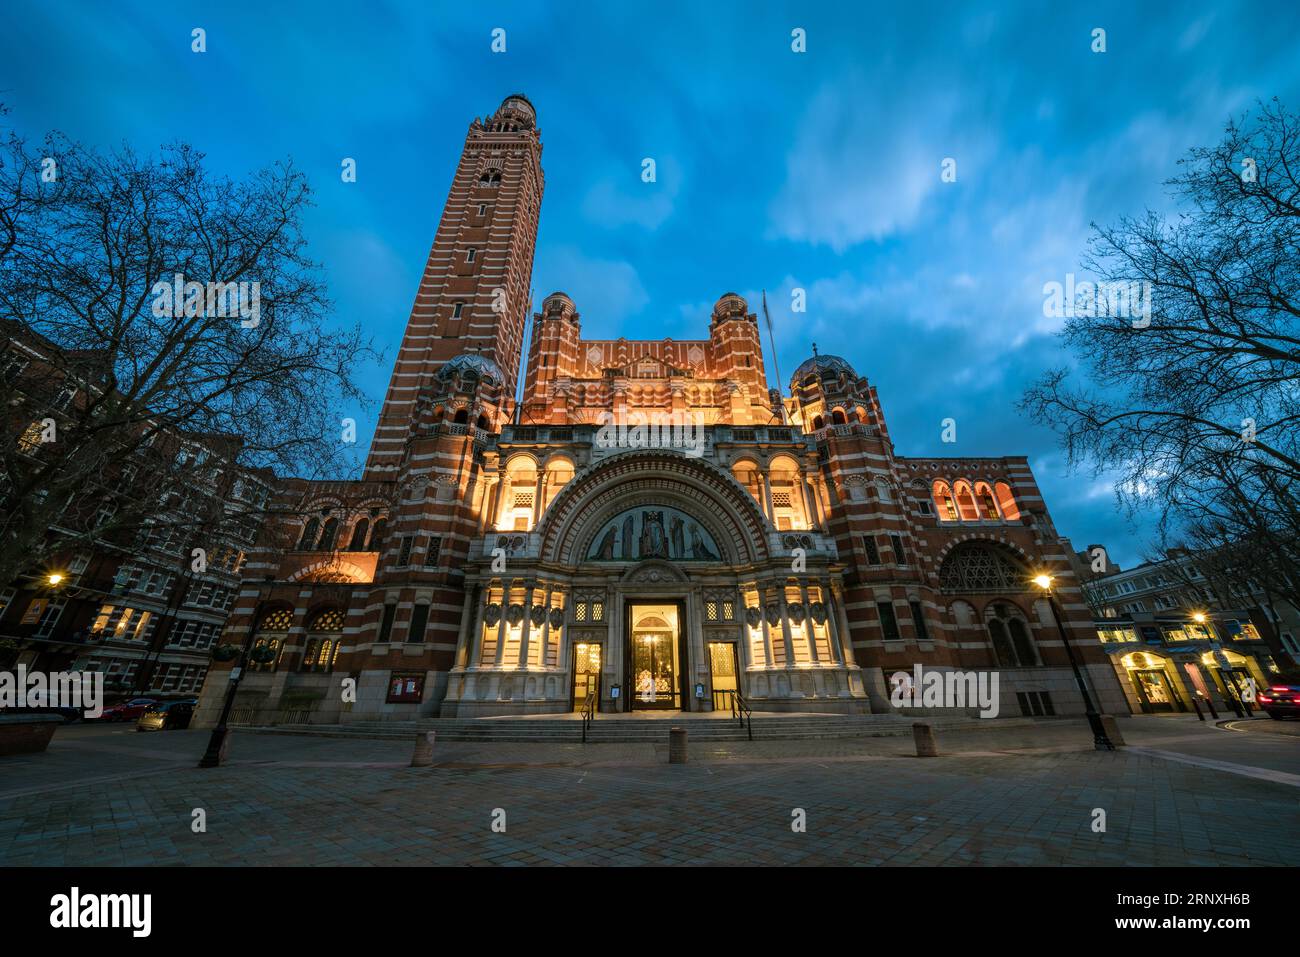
<point x="468" y="362"/>
<point x="822" y="365"/>
<point x="730" y="306"/>
<point x="518" y="103"/>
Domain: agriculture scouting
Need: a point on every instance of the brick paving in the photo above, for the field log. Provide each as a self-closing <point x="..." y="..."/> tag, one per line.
<point x="1015" y="797"/>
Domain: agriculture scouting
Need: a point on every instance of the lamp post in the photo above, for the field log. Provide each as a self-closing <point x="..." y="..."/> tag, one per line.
<point x="1099" y="739"/>
<point x="214" y="754"/>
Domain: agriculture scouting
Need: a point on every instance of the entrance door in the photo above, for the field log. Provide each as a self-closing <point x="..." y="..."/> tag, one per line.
<point x="655" y="656"/>
<point x="1153" y="687"/>
<point x="722" y="670"/>
<point x="586" y="673"/>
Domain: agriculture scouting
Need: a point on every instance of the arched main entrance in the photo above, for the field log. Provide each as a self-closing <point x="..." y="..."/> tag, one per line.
<point x="653" y="582"/>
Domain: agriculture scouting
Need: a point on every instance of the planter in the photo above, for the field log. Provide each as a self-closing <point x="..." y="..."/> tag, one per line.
<point x="26" y="733"/>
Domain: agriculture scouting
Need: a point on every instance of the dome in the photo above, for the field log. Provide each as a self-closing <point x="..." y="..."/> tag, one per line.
<point x="821" y="365"/>
<point x="480" y="366"/>
<point x="519" y="103"/>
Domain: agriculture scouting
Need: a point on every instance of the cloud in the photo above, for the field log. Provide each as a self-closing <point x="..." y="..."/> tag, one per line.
<point x="861" y="167"/>
<point x="607" y="292"/>
<point x="613" y="203"/>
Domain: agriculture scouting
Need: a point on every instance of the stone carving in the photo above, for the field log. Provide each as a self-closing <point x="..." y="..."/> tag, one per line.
<point x="662" y="532"/>
<point x="492" y="614"/>
<point x="753" y="616"/>
<point x="537" y="615"/>
<point x="515" y="614"/>
<point x="557" y="617"/>
<point x="773" y="612"/>
<point x="796" y="612"/>
<point x="654" y="543"/>
<point x="817" y="610"/>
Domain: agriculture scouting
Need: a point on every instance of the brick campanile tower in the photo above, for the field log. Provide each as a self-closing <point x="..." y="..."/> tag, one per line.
<point x="474" y="295"/>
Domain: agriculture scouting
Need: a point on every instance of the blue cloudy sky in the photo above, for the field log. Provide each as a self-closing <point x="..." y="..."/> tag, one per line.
<point x="776" y="170"/>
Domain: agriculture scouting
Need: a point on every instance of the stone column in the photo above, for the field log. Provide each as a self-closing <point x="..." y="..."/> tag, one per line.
<point x="850" y="657"/>
<point x="767" y="499"/>
<point x="494" y="503"/>
<point x="770" y="661"/>
<point x="612" y="664"/>
<point x="524" y="663"/>
<point x="784" y="612"/>
<point x="545" y="648"/>
<point x="696" y="603"/>
<point x="476" y="630"/>
<point x="809" y="630"/>
<point x="501" y="626"/>
<point x="466" y="618"/>
<point x="810" y="503"/>
<point x="832" y="625"/>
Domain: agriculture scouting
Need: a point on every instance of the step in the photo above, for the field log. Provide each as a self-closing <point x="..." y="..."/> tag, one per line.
<point x="633" y="731"/>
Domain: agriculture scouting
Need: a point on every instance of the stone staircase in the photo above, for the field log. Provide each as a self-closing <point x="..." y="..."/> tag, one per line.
<point x="631" y="730"/>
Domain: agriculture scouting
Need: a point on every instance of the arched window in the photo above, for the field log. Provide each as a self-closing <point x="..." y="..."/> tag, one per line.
<point x="324" y="635"/>
<point x="310" y="532"/>
<point x="837" y="417"/>
<point x="1002" y="650"/>
<point x="944" y="503"/>
<point x="966" y="503"/>
<point x="988" y="507"/>
<point x="268" y="642"/>
<point x="327" y="536"/>
<point x="1021" y="641"/>
<point x="358" y="542"/>
<point x="1009" y="634"/>
<point x="483" y="423"/>
<point x="377" y="535"/>
<point x="981" y="567"/>
<point x="461" y="417"/>
<point x="1008" y="502"/>
<point x="818" y="423"/>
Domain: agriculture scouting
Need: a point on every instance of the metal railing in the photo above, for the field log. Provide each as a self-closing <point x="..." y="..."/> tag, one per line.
<point x="588" y="714"/>
<point x="740" y="709"/>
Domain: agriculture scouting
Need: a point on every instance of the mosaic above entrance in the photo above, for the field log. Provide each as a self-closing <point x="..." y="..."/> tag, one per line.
<point x="658" y="532"/>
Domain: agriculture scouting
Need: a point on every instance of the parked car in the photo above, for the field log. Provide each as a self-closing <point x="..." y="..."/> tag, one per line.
<point x="69" y="715"/>
<point x="128" y="710"/>
<point x="1280" y="701"/>
<point x="168" y="716"/>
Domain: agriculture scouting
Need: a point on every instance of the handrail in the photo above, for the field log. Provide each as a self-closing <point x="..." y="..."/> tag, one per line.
<point x="740" y="709"/>
<point x="588" y="714"/>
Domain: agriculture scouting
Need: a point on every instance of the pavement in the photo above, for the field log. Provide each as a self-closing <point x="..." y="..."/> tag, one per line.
<point x="1182" y="793"/>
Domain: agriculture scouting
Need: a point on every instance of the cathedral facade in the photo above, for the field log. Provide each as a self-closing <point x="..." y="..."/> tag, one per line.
<point x="639" y="525"/>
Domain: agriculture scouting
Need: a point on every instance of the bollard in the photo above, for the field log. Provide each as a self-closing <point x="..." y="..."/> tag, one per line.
<point x="423" y="756"/>
<point x="923" y="735"/>
<point x="1112" y="730"/>
<point x="676" y="745"/>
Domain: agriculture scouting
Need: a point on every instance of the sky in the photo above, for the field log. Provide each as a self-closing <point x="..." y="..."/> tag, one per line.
<point x="776" y="170"/>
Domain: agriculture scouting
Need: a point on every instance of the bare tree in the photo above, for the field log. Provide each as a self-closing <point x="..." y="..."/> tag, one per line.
<point x="181" y="341"/>
<point x="1195" y="403"/>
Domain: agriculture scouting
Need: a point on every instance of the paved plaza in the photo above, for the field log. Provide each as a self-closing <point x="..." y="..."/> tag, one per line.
<point x="1183" y="793"/>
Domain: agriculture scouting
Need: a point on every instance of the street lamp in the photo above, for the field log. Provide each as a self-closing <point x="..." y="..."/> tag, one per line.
<point x="54" y="578"/>
<point x="1099" y="739"/>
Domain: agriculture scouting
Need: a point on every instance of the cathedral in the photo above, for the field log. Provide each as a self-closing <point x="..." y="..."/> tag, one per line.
<point x="638" y="525"/>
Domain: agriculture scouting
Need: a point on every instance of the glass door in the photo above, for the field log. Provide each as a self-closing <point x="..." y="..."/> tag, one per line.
<point x="586" y="673"/>
<point x="1154" y="688"/>
<point x="722" y="670"/>
<point x="654" y="670"/>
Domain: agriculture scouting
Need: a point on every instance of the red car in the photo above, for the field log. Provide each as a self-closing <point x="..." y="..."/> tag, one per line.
<point x="1279" y="700"/>
<point x="128" y="710"/>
